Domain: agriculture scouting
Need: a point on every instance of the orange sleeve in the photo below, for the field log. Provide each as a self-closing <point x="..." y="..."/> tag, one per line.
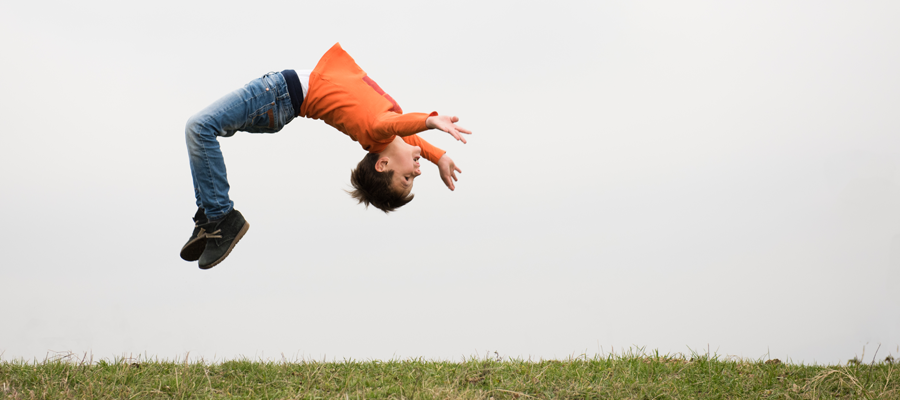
<point x="392" y="124"/>
<point x="430" y="152"/>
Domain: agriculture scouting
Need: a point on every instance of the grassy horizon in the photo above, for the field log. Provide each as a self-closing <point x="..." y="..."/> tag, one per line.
<point x="633" y="375"/>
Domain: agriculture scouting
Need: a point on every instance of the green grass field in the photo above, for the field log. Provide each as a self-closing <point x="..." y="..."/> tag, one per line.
<point x="614" y="377"/>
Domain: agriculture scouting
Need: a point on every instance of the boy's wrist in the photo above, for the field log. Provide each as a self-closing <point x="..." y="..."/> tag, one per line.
<point x="429" y="121"/>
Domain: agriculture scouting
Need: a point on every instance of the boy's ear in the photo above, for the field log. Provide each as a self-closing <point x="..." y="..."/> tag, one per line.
<point x="381" y="164"/>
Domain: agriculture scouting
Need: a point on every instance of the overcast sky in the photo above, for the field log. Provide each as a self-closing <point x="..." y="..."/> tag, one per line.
<point x="668" y="175"/>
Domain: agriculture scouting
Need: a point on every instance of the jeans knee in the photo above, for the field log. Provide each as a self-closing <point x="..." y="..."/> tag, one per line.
<point x="193" y="134"/>
<point x="193" y="126"/>
<point x="198" y="129"/>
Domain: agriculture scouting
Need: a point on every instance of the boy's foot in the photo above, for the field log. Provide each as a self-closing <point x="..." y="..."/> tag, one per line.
<point x="221" y="237"/>
<point x="195" y="245"/>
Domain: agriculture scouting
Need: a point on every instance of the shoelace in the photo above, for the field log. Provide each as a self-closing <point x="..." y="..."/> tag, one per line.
<point x="213" y="235"/>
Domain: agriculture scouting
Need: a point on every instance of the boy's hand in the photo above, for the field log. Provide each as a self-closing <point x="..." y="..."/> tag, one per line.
<point x="448" y="170"/>
<point x="447" y="124"/>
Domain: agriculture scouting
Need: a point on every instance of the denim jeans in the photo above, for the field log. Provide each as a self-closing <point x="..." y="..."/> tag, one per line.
<point x="261" y="106"/>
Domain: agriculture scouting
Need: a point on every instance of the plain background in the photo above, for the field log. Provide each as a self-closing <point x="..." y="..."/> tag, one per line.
<point x="673" y="176"/>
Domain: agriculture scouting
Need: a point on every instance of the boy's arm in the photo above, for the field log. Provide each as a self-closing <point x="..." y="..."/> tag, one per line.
<point x="430" y="152"/>
<point x="391" y="123"/>
<point x="445" y="164"/>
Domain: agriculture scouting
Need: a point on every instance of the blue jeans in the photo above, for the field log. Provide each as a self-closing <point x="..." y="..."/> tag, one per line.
<point x="261" y="106"/>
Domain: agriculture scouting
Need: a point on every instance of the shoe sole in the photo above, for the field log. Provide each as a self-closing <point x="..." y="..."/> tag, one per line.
<point x="237" y="238"/>
<point x="193" y="249"/>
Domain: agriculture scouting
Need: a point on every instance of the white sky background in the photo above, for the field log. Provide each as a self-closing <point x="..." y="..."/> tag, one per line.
<point x="675" y="177"/>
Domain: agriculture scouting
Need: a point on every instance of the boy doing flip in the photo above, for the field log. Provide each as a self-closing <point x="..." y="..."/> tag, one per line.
<point x="338" y="92"/>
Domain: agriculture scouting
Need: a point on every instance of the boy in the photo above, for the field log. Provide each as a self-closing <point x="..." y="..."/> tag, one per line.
<point x="338" y="92"/>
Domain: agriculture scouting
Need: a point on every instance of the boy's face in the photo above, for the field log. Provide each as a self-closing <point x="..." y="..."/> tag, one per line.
<point x="406" y="170"/>
<point x="403" y="159"/>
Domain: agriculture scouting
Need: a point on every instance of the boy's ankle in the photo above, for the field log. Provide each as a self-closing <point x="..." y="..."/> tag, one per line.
<point x="200" y="216"/>
<point x="219" y="219"/>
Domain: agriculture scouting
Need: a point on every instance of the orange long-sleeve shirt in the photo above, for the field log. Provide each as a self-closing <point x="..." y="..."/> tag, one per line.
<point x="342" y="94"/>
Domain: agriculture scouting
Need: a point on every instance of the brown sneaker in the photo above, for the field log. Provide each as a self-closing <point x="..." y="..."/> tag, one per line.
<point x="221" y="237"/>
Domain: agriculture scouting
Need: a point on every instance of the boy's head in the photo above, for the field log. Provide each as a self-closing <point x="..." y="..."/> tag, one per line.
<point x="385" y="179"/>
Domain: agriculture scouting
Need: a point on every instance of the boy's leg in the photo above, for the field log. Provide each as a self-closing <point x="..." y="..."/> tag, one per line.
<point x="207" y="163"/>
<point x="257" y="107"/>
<point x="263" y="105"/>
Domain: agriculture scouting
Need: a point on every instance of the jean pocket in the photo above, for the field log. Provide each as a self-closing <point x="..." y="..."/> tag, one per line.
<point x="264" y="118"/>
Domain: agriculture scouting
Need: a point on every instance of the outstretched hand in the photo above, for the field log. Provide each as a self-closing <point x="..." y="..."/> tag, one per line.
<point x="447" y="124"/>
<point x="448" y="170"/>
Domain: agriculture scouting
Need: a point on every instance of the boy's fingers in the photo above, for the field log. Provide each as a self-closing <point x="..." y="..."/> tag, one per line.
<point x="448" y="181"/>
<point x="458" y="136"/>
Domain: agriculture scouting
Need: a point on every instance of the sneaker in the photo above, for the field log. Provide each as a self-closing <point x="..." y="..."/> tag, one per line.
<point x="195" y="245"/>
<point x="221" y="237"/>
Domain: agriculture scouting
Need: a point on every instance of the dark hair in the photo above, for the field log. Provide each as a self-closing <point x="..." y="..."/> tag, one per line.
<point x="373" y="187"/>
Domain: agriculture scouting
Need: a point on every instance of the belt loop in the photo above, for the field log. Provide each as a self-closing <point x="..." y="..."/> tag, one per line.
<point x="270" y="83"/>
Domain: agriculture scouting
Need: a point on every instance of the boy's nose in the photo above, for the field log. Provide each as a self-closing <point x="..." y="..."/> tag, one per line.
<point x="418" y="172"/>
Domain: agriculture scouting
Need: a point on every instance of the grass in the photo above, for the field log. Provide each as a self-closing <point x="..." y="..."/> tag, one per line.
<point x="628" y="376"/>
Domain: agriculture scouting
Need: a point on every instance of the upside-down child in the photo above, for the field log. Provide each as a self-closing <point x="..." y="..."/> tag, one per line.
<point x="336" y="91"/>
